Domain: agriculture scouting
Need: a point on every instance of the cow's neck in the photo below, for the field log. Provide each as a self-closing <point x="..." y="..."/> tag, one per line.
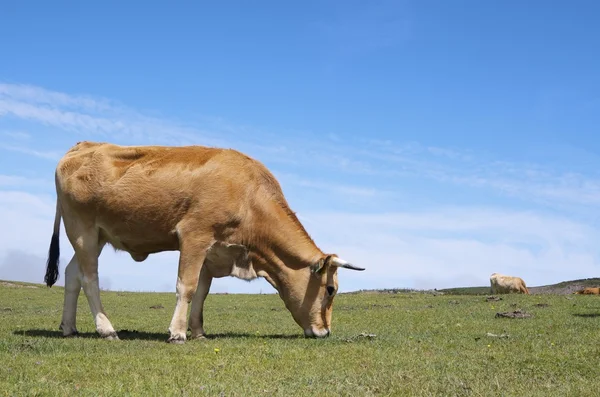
<point x="285" y="252"/>
<point x="285" y="249"/>
<point x="287" y="270"/>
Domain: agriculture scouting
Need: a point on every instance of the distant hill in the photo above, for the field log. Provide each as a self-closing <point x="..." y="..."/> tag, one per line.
<point x="19" y="284"/>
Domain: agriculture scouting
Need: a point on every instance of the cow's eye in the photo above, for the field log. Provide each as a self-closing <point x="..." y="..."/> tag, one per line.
<point x="330" y="290"/>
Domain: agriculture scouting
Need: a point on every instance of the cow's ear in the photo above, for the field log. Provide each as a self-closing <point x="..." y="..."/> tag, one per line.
<point x="321" y="264"/>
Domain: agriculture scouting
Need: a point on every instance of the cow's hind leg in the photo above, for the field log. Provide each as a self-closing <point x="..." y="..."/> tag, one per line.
<point x="72" y="290"/>
<point x="191" y="258"/>
<point x="87" y="249"/>
<point x="196" y="314"/>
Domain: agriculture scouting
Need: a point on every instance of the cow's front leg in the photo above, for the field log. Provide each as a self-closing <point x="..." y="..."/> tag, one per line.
<point x="191" y="258"/>
<point x="196" y="314"/>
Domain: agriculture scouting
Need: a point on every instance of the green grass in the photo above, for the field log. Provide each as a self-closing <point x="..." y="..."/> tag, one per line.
<point x="425" y="345"/>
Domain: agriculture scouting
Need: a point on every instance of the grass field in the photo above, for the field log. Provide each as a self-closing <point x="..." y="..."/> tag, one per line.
<point x="424" y="345"/>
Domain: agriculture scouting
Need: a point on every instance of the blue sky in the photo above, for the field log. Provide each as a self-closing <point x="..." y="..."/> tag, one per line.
<point x="431" y="142"/>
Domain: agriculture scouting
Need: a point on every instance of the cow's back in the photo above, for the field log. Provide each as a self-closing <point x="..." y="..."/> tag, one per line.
<point x="137" y="195"/>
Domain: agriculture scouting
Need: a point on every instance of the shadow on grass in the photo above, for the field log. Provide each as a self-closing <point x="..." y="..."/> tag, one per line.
<point x="157" y="336"/>
<point x="587" y="315"/>
<point x="234" y="335"/>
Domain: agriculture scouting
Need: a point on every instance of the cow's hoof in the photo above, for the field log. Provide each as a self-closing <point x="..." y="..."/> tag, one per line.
<point x="199" y="336"/>
<point x="73" y="334"/>
<point x="176" y="340"/>
<point x="68" y="330"/>
<point x="111" y="336"/>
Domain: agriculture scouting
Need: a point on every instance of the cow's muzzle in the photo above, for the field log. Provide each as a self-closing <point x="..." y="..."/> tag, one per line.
<point x="316" y="333"/>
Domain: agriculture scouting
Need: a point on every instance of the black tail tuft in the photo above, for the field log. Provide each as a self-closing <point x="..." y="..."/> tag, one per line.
<point x="52" y="264"/>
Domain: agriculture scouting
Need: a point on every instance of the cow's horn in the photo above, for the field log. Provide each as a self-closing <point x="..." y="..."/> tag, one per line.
<point x="342" y="263"/>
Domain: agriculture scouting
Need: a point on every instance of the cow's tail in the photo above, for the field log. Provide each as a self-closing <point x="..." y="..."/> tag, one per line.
<point x="54" y="251"/>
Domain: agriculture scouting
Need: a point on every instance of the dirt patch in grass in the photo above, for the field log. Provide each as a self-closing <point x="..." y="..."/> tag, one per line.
<point x="513" y="314"/>
<point x="493" y="298"/>
<point x="362" y="335"/>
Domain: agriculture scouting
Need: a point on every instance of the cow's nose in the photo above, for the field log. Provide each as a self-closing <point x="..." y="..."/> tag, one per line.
<point x="310" y="332"/>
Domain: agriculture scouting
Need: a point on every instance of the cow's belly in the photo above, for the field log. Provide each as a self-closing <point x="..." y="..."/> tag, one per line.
<point x="222" y="259"/>
<point x="141" y="244"/>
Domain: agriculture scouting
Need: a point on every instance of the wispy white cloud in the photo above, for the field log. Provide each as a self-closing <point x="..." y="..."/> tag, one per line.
<point x="33" y="94"/>
<point x="48" y="155"/>
<point x="21" y="181"/>
<point x="133" y="127"/>
<point x="17" y="135"/>
<point x="93" y="117"/>
<point x="526" y="181"/>
<point x="329" y="186"/>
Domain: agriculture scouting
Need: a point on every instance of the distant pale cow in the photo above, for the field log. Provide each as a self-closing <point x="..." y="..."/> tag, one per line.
<point x="502" y="284"/>
<point x="589" y="291"/>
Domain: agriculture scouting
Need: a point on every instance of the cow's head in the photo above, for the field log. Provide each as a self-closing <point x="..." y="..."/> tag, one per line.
<point x="309" y="296"/>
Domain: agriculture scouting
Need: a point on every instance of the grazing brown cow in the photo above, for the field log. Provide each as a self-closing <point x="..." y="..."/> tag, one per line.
<point x="502" y="284"/>
<point x="589" y="291"/>
<point x="223" y="211"/>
